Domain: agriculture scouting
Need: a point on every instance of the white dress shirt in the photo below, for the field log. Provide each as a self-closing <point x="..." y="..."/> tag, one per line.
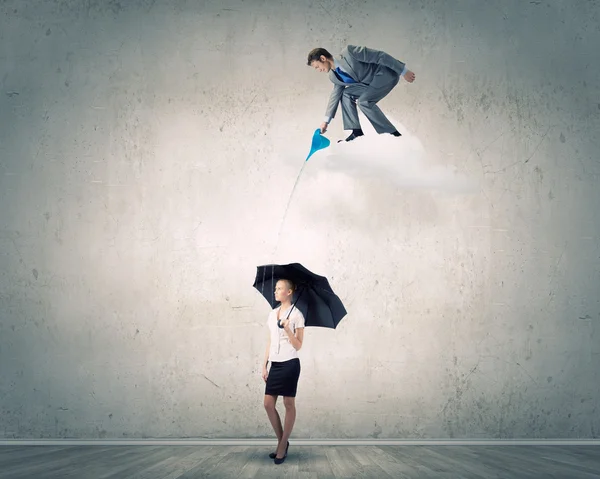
<point x="281" y="347"/>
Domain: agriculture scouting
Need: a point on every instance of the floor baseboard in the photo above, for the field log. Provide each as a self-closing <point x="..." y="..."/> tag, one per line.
<point x="300" y="442"/>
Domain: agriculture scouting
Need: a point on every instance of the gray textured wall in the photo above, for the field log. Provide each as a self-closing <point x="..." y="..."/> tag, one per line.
<point x="147" y="151"/>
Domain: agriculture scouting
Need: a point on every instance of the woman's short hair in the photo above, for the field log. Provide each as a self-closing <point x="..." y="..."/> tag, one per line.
<point x="290" y="283"/>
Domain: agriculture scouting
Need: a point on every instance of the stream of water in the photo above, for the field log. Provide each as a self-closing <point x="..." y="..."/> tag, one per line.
<point x="280" y="230"/>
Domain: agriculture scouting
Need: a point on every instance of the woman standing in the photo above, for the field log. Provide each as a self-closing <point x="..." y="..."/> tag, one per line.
<point x="282" y="351"/>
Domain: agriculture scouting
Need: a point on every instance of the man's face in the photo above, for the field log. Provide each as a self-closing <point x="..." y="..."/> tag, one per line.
<point x="321" y="65"/>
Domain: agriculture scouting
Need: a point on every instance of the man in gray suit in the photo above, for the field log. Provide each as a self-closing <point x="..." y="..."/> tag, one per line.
<point x="362" y="76"/>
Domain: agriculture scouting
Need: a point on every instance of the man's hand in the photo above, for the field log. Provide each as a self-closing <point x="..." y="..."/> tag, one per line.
<point x="323" y="127"/>
<point x="409" y="76"/>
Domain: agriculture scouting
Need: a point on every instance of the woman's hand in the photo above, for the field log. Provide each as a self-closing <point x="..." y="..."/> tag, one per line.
<point x="285" y="323"/>
<point x="265" y="374"/>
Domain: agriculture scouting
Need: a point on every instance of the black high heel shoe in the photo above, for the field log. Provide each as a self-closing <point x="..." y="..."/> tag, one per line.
<point x="273" y="455"/>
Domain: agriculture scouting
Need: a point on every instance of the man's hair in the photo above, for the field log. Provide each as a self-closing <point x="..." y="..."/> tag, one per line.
<point x="315" y="55"/>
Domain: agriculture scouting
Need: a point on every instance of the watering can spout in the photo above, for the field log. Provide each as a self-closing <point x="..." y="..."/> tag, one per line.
<point x="318" y="143"/>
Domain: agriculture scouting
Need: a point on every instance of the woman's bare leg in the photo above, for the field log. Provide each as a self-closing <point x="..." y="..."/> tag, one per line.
<point x="273" y="416"/>
<point x="290" y="418"/>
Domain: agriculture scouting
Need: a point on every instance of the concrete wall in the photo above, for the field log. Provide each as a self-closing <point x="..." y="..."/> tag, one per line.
<point x="147" y="153"/>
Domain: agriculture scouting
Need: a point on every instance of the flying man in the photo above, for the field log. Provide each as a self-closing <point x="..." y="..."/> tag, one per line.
<point x="361" y="76"/>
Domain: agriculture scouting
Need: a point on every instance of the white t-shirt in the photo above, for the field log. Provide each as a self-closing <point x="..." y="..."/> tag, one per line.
<point x="281" y="347"/>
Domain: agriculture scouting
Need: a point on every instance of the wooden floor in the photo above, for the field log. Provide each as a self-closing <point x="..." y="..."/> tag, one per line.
<point x="228" y="462"/>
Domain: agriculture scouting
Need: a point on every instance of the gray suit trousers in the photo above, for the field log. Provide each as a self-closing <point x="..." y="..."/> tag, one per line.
<point x="366" y="97"/>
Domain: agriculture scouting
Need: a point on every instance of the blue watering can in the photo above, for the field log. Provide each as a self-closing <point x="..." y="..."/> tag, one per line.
<point x="318" y="143"/>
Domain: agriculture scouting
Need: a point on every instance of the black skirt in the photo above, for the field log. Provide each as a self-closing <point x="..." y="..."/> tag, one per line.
<point x="283" y="378"/>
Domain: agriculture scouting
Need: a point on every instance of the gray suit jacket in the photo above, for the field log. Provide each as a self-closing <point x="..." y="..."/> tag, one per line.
<point x="361" y="63"/>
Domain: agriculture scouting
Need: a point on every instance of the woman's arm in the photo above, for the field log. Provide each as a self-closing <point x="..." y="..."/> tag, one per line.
<point x="295" y="339"/>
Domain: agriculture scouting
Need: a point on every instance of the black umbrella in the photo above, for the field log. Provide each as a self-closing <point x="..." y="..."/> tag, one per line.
<point x="313" y="296"/>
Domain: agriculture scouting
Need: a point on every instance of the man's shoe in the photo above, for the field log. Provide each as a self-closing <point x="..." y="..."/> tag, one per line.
<point x="352" y="136"/>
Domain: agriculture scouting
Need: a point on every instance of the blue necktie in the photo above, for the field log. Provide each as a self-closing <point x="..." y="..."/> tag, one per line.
<point x="344" y="76"/>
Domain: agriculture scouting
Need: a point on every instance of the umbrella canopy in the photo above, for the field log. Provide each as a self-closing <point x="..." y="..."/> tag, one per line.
<point x="314" y="297"/>
<point x="318" y="143"/>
